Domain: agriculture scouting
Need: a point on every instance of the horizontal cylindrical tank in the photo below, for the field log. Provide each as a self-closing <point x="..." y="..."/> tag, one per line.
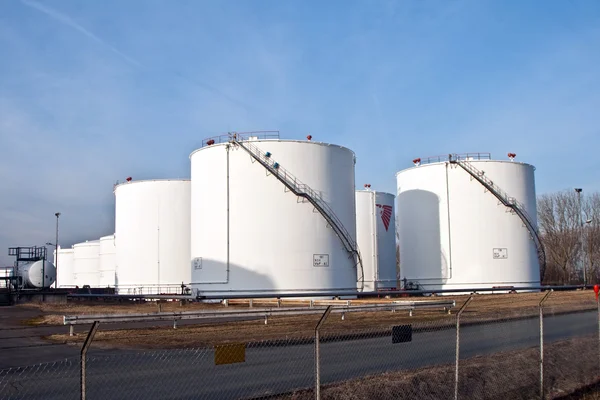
<point x="65" y="274"/>
<point x="108" y="262"/>
<point x="36" y="275"/>
<point x="252" y="233"/>
<point x="456" y="233"/>
<point x="376" y="237"/>
<point x="86" y="263"/>
<point x="152" y="236"/>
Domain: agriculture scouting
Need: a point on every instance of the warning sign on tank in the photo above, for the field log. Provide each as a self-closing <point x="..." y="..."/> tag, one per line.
<point x="197" y="263"/>
<point x="320" y="260"/>
<point x="500" y="253"/>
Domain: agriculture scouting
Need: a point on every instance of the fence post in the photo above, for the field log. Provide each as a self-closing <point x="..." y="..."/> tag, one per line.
<point x="462" y="308"/>
<point x="84" y="349"/>
<point x="542" y="343"/>
<point x="318" y="355"/>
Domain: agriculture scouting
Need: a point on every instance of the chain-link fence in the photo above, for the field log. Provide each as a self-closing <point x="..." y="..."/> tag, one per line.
<point x="492" y="351"/>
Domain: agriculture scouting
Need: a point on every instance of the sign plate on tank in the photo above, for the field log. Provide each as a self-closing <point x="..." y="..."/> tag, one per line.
<point x="320" y="260"/>
<point x="197" y="263"/>
<point x="500" y="253"/>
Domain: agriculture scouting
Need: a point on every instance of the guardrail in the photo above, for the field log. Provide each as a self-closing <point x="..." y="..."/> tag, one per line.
<point x="255" y="313"/>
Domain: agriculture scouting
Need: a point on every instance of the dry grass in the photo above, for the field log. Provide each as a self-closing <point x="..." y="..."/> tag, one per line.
<point x="506" y="375"/>
<point x="482" y="308"/>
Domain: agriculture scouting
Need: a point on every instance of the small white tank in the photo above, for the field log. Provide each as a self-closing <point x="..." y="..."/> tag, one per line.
<point x="376" y="237"/>
<point x="108" y="262"/>
<point x="37" y="274"/>
<point x="152" y="236"/>
<point x="64" y="268"/>
<point x="86" y="261"/>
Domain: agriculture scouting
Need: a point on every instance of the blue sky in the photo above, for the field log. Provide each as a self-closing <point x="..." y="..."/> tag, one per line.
<point x="92" y="92"/>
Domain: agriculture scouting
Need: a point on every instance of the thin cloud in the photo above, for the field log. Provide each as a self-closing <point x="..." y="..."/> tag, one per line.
<point x="66" y="20"/>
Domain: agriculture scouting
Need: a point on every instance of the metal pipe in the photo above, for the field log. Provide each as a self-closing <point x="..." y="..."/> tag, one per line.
<point x="375" y="246"/>
<point x="318" y="353"/>
<point x="449" y="224"/>
<point x="84" y="349"/>
<point x="542" y="343"/>
<point x="460" y="311"/>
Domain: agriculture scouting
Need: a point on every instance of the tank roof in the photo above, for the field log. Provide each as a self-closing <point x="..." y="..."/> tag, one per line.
<point x="278" y="140"/>
<point x="117" y="185"/>
<point x="470" y="157"/>
<point x="373" y="191"/>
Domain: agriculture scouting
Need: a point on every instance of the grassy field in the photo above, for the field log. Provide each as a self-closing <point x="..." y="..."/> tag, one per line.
<point x="483" y="308"/>
<point x="505" y="375"/>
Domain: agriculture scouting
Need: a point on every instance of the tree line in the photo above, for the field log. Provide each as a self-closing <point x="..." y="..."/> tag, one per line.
<point x="569" y="224"/>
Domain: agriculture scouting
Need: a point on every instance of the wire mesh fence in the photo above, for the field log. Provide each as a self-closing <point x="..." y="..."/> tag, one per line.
<point x="362" y="355"/>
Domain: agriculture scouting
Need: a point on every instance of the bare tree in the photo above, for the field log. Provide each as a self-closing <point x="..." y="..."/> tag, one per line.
<point x="559" y="222"/>
<point x="591" y="250"/>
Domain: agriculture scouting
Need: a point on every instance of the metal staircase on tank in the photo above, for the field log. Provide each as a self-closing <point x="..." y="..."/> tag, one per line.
<point x="507" y="201"/>
<point x="306" y="192"/>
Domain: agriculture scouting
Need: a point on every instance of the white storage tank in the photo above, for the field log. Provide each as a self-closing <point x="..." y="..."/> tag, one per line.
<point x="108" y="262"/>
<point x="65" y="275"/>
<point x="152" y="236"/>
<point x="454" y="232"/>
<point x="86" y="263"/>
<point x="36" y="274"/>
<point x="251" y="233"/>
<point x="376" y="237"/>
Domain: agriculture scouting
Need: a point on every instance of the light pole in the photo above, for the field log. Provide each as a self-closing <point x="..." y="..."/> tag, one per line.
<point x="56" y="242"/>
<point x="579" y="190"/>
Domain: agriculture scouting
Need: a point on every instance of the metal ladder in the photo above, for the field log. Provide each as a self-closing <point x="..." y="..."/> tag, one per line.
<point x="507" y="201"/>
<point x="306" y="192"/>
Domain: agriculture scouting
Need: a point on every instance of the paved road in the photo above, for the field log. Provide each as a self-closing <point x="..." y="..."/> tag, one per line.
<point x="188" y="374"/>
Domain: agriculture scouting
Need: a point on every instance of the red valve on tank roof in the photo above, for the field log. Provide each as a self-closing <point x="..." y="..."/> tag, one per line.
<point x="128" y="179"/>
<point x="309" y="137"/>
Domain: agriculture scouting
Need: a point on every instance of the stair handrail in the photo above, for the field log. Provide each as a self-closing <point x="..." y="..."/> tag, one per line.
<point x="305" y="191"/>
<point x="509" y="202"/>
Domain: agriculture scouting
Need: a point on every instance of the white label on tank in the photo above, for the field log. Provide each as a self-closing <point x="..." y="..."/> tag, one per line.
<point x="500" y="253"/>
<point x="320" y="260"/>
<point x="197" y="263"/>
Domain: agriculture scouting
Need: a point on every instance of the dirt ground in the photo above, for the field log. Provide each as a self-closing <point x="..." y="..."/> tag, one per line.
<point x="506" y="375"/>
<point x="482" y="308"/>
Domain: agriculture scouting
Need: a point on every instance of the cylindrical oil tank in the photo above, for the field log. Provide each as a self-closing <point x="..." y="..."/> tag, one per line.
<point x="152" y="236"/>
<point x="108" y="262"/>
<point x="64" y="267"/>
<point x="36" y="275"/>
<point x="454" y="232"/>
<point x="86" y="263"/>
<point x="252" y="233"/>
<point x="376" y="237"/>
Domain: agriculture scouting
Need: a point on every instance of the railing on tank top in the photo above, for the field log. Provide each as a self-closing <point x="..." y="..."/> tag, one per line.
<point x="462" y="156"/>
<point x="507" y="201"/>
<point x="241" y="136"/>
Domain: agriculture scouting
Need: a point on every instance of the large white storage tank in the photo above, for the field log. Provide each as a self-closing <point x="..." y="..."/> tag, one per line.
<point x="250" y="233"/>
<point x="86" y="263"/>
<point x="376" y="237"/>
<point x="455" y="233"/>
<point x="64" y="262"/>
<point x="108" y="262"/>
<point x="152" y="236"/>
